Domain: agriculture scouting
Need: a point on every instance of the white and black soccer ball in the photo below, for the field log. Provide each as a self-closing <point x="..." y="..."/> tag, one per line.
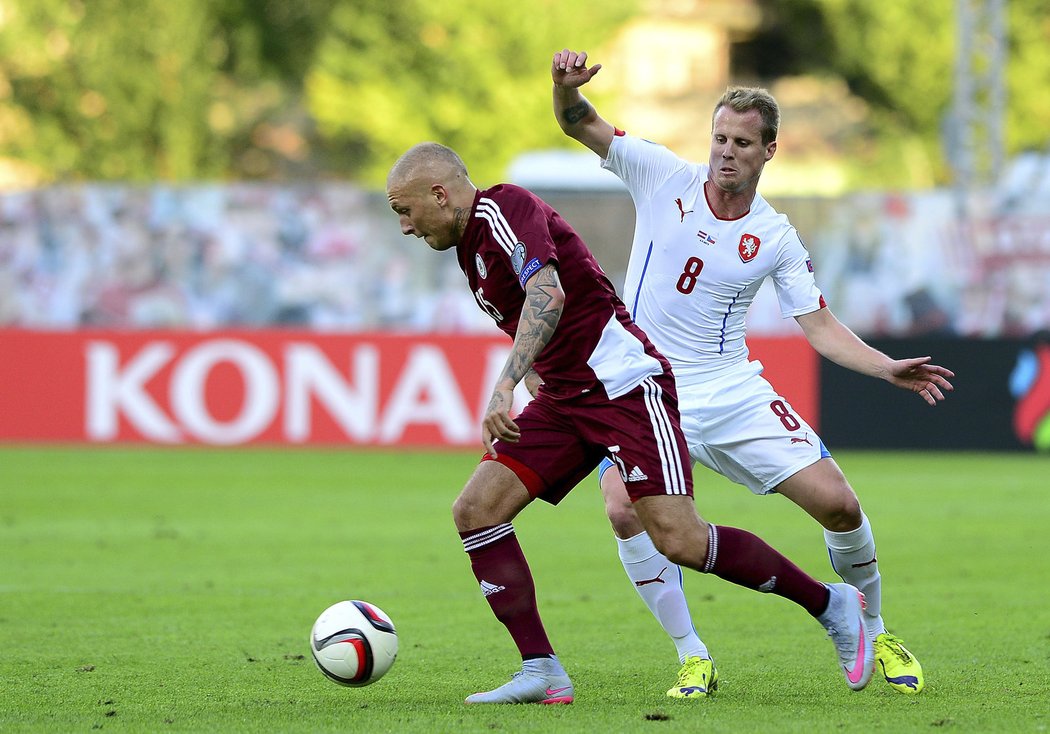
<point x="353" y="643"/>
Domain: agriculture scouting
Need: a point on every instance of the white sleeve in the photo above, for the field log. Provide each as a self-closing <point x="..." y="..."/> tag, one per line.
<point x="641" y="164"/>
<point x="793" y="278"/>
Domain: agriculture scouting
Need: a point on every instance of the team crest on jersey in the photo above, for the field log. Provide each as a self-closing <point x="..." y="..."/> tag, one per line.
<point x="748" y="247"/>
<point x="482" y="270"/>
<point x="517" y="258"/>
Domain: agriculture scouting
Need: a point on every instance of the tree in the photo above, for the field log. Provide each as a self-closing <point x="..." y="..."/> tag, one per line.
<point x="1028" y="76"/>
<point x="146" y="90"/>
<point x="466" y="73"/>
<point x="106" y="90"/>
<point x="899" y="56"/>
<point x="150" y="89"/>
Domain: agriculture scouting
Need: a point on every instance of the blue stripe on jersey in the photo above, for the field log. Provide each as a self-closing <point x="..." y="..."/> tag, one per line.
<point x="603" y="467"/>
<point x="722" y="334"/>
<point x="648" y="255"/>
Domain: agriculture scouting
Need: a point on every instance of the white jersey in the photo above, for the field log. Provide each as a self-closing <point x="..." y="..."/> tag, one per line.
<point x="692" y="276"/>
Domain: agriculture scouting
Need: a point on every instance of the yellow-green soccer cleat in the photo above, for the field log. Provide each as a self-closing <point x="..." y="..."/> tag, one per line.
<point x="696" y="679"/>
<point x="900" y="667"/>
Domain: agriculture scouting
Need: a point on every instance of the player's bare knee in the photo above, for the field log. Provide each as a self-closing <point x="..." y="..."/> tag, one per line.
<point x="493" y="495"/>
<point x="624" y="520"/>
<point x="462" y="513"/>
<point x="470" y="512"/>
<point x="689" y="555"/>
<point x="685" y="545"/>
<point x="843" y="513"/>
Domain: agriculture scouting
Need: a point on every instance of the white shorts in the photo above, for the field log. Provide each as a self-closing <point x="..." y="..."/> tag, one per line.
<point x="737" y="424"/>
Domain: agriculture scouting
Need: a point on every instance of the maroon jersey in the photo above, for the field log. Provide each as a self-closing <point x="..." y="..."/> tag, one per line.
<point x="510" y="235"/>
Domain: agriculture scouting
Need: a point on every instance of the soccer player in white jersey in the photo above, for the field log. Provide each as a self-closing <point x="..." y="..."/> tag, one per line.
<point x="704" y="242"/>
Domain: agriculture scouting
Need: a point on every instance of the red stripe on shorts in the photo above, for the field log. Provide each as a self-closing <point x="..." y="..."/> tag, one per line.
<point x="532" y="481"/>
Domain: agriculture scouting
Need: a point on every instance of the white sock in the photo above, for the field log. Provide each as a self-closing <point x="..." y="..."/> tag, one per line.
<point x="659" y="583"/>
<point x="853" y="558"/>
<point x="544" y="666"/>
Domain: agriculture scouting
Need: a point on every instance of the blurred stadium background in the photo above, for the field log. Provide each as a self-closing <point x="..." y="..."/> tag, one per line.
<point x="195" y="245"/>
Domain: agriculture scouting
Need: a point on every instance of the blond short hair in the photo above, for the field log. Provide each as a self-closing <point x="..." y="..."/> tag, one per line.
<point x="745" y="99"/>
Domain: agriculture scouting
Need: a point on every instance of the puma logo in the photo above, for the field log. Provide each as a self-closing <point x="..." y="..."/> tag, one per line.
<point x="681" y="208"/>
<point x="804" y="439"/>
<point x="654" y="580"/>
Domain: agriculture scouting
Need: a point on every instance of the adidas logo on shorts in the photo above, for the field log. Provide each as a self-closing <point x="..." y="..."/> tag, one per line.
<point x="636" y="475"/>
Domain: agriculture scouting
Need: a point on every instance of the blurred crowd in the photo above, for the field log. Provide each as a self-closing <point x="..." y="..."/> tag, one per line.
<point x="211" y="257"/>
<point x="330" y="257"/>
<point x="933" y="263"/>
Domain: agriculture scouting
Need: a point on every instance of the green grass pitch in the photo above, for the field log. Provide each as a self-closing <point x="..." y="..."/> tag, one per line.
<point x="153" y="590"/>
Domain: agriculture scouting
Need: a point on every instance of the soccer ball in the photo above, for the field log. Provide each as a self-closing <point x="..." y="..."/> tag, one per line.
<point x="353" y="643"/>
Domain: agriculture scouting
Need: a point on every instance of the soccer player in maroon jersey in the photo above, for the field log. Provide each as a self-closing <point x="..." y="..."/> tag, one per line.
<point x="604" y="391"/>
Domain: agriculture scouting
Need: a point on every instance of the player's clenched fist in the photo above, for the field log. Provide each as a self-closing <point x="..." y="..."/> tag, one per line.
<point x="569" y="68"/>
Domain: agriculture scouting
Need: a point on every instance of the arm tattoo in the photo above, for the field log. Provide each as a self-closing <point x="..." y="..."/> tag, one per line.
<point x="533" y="382"/>
<point x="576" y="112"/>
<point x="497" y="403"/>
<point x="539" y="318"/>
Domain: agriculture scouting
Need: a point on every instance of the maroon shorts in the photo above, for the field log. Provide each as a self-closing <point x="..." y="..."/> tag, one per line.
<point x="562" y="441"/>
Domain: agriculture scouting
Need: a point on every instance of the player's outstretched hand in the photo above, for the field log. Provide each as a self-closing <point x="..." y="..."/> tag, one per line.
<point x="930" y="381"/>
<point x="497" y="423"/>
<point x="569" y="68"/>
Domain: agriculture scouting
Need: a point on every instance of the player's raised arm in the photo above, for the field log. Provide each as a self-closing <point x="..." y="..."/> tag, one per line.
<point x="544" y="302"/>
<point x="837" y="342"/>
<point x="576" y="116"/>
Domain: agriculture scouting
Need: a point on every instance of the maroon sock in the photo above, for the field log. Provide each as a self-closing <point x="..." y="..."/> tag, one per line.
<point x="745" y="559"/>
<point x="506" y="581"/>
